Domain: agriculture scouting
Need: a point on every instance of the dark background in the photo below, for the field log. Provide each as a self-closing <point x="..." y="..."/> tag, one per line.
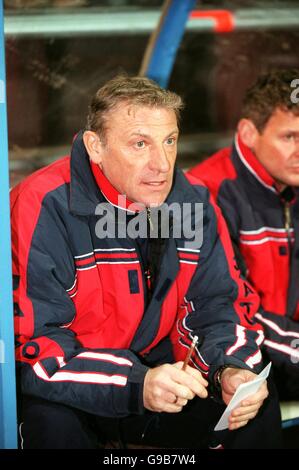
<point x="50" y="80"/>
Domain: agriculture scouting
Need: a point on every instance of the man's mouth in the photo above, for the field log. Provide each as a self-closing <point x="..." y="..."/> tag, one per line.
<point x="155" y="183"/>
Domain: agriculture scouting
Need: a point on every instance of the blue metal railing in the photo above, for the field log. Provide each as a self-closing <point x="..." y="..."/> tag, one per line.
<point x="8" y="420"/>
<point x="168" y="41"/>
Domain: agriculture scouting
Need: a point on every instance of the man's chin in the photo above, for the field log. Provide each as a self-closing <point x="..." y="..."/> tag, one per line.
<point x="292" y="181"/>
<point x="154" y="200"/>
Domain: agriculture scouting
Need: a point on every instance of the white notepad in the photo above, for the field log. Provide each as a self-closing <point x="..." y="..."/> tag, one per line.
<point x="243" y="391"/>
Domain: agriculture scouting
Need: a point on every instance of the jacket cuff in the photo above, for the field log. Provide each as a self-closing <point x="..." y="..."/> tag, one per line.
<point x="136" y="382"/>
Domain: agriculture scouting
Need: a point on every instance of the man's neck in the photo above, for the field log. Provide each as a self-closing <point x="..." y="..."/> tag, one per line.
<point x="280" y="186"/>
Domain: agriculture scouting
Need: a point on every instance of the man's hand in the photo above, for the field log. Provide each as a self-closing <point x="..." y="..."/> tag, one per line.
<point x="168" y="387"/>
<point x="230" y="380"/>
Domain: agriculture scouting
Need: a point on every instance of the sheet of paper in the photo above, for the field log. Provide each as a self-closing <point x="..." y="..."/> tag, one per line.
<point x="243" y="391"/>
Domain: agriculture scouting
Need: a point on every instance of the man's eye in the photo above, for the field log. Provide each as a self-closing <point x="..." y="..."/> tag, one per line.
<point x="140" y="144"/>
<point x="170" y="141"/>
<point x="289" y="137"/>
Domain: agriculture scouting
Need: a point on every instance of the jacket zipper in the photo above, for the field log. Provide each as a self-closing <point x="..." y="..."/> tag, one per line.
<point x="143" y="275"/>
<point x="287" y="224"/>
<point x="148" y="213"/>
<point x="146" y="274"/>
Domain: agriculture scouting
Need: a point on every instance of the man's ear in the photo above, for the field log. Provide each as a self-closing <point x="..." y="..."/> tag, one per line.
<point x="248" y="132"/>
<point x="93" y="146"/>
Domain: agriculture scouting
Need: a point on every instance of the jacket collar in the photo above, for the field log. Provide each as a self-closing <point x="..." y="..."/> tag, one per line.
<point x="111" y="194"/>
<point x="89" y="186"/>
<point x="84" y="192"/>
<point x="252" y="164"/>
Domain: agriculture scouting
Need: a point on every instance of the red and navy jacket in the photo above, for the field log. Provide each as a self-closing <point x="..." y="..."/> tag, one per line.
<point x="84" y="333"/>
<point x="262" y="223"/>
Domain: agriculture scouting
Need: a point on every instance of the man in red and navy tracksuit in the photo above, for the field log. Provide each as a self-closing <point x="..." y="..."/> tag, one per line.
<point x="108" y="302"/>
<point x="255" y="182"/>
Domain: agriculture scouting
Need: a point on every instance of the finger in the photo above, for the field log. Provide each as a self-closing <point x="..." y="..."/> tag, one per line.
<point x="168" y="397"/>
<point x="261" y="395"/>
<point x="197" y="375"/>
<point x="172" y="398"/>
<point x="192" y="383"/>
<point x="180" y="402"/>
<point x="185" y="386"/>
<point x="254" y="400"/>
<point x="194" y="372"/>
<point x="172" y="408"/>
<point x="243" y="410"/>
<point x="198" y="389"/>
<point x="239" y="419"/>
<point x="234" y="426"/>
<point x="178" y="390"/>
<point x="175" y="406"/>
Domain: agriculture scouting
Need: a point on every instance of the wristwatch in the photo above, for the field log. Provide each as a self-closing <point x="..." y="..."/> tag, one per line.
<point x="219" y="373"/>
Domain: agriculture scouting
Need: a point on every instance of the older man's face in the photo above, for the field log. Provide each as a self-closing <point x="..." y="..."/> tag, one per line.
<point x="277" y="147"/>
<point x="139" y="152"/>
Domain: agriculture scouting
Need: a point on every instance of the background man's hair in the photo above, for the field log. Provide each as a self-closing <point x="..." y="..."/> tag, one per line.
<point x="271" y="91"/>
<point x="138" y="91"/>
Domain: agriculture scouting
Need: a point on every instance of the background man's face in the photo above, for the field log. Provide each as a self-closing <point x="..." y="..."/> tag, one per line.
<point x="277" y="147"/>
<point x="139" y="153"/>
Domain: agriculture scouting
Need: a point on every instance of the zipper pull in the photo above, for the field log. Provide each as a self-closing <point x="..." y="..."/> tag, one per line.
<point x="287" y="224"/>
<point x="148" y="212"/>
<point x="148" y="277"/>
<point x="287" y="217"/>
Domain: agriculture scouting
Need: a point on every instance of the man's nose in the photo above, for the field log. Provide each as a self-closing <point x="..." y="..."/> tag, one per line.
<point x="159" y="160"/>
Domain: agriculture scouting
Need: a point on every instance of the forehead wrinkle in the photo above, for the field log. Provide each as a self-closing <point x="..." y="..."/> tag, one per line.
<point x="144" y="134"/>
<point x="123" y="118"/>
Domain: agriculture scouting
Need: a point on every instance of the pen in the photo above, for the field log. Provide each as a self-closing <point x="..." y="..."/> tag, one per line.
<point x="189" y="353"/>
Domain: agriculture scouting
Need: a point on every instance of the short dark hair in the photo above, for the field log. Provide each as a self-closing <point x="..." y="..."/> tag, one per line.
<point x="271" y="91"/>
<point x="134" y="90"/>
